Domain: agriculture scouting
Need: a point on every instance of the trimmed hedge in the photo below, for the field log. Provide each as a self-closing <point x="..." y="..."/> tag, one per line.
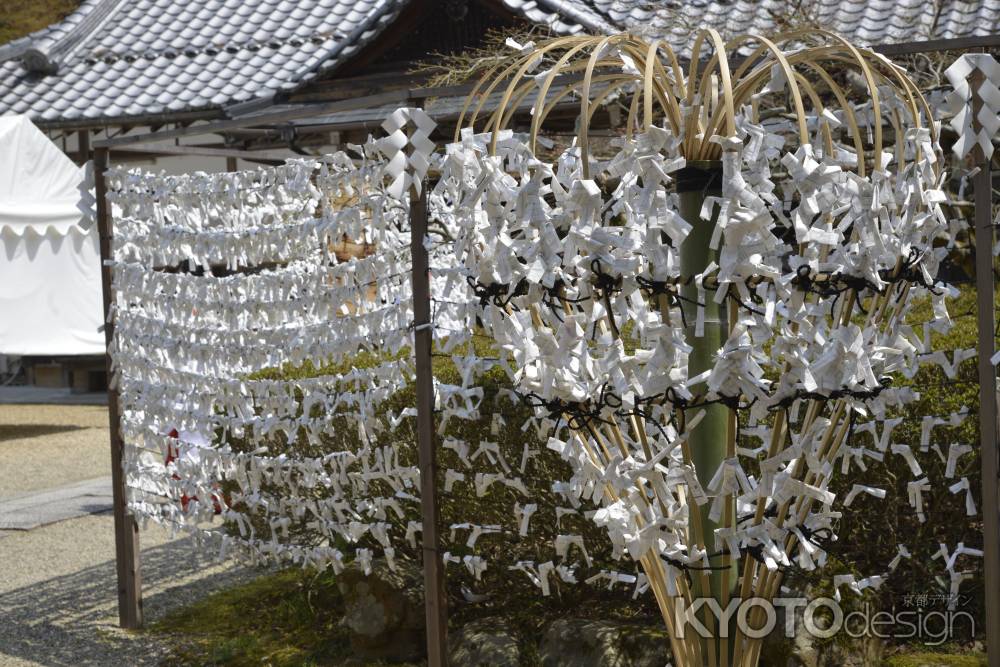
<point x="868" y="532"/>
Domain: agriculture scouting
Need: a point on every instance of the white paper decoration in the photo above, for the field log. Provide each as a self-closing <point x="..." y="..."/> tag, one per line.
<point x="959" y="102"/>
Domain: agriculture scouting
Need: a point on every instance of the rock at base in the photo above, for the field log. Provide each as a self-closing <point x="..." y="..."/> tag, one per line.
<point x="384" y="612"/>
<point x="485" y="643"/>
<point x="583" y="643"/>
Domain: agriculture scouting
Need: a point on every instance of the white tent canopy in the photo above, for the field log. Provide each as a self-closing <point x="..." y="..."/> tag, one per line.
<point x="50" y="266"/>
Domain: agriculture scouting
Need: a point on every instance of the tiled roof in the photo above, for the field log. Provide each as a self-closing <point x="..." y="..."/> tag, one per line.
<point x="127" y="58"/>
<point x="866" y="22"/>
<point x="120" y="59"/>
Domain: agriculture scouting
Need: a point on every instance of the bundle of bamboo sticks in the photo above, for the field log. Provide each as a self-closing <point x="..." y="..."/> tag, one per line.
<point x="700" y="104"/>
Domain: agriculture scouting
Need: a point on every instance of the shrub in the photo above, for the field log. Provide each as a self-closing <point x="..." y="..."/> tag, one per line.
<point x="868" y="532"/>
<point x="499" y="587"/>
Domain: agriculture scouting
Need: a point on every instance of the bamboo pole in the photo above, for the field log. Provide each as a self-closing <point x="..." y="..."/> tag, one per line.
<point x="709" y="439"/>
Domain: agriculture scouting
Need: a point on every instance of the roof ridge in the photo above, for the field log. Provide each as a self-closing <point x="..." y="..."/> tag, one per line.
<point x="215" y="48"/>
<point x="41" y="51"/>
<point x="70" y="43"/>
<point x="16" y="48"/>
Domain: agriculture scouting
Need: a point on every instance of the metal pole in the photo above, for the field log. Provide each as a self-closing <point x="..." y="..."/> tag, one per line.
<point x="126" y="528"/>
<point x="436" y="604"/>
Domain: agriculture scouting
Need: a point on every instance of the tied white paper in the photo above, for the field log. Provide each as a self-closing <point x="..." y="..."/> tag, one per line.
<point x="576" y="282"/>
<point x="203" y="434"/>
<point x="959" y="102"/>
<point x="561" y="262"/>
<point x="407" y="168"/>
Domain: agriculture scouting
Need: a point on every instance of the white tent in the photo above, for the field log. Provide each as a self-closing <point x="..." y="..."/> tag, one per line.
<point x="50" y="266"/>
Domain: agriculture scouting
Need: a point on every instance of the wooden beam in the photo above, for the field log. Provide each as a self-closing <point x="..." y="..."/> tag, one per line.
<point x="351" y="86"/>
<point x="82" y="146"/>
<point x="401" y="97"/>
<point x="126" y="528"/>
<point x="199" y="150"/>
<point x="932" y="45"/>
<point x="271" y="118"/>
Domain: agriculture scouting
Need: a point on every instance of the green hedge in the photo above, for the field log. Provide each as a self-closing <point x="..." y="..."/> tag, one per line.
<point x="868" y="532"/>
<point x="502" y="588"/>
<point x="871" y="528"/>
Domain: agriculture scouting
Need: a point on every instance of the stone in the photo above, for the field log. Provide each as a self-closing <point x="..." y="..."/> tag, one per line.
<point x="853" y="652"/>
<point x="384" y="611"/>
<point x="586" y="643"/>
<point x="805" y="650"/>
<point x="485" y="643"/>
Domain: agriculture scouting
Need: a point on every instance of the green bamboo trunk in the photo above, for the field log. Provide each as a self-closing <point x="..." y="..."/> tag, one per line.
<point x="708" y="440"/>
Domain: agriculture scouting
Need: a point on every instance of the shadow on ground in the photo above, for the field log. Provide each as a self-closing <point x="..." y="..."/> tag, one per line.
<point x="17" y="431"/>
<point x="70" y="620"/>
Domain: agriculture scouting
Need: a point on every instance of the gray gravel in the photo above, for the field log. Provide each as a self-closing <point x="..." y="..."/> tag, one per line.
<point x="50" y="395"/>
<point x="58" y="604"/>
<point x="40" y="508"/>
<point x="47" y="446"/>
<point x="57" y="594"/>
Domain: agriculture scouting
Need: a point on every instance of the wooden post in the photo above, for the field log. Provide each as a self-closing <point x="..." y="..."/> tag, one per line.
<point x="126" y="528"/>
<point x="83" y="146"/>
<point x="436" y="604"/>
<point x="983" y="221"/>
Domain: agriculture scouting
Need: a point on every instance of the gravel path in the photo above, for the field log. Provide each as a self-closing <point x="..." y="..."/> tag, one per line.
<point x="46" y="446"/>
<point x="58" y="604"/>
<point x="57" y="595"/>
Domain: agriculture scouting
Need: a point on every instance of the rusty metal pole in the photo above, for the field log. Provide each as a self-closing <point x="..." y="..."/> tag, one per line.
<point x="983" y="220"/>
<point x="435" y="602"/>
<point x="126" y="528"/>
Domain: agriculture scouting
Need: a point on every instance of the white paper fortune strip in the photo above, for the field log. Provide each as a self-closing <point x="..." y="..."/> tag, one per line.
<point x="959" y="102"/>
<point x="407" y="170"/>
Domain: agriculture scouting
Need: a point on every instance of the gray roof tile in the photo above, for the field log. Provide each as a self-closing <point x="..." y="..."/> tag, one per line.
<point x="152" y="56"/>
<point x="141" y="57"/>
<point x="865" y="21"/>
